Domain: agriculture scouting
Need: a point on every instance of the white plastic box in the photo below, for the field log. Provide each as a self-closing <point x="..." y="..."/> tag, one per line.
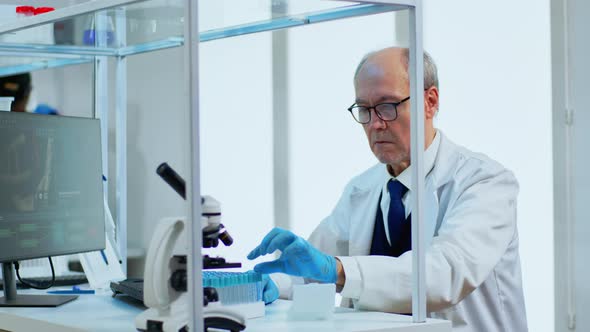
<point x="5" y="103"/>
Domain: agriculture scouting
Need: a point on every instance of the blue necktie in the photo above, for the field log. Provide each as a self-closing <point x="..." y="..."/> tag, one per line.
<point x="397" y="213"/>
<point x="399" y="227"/>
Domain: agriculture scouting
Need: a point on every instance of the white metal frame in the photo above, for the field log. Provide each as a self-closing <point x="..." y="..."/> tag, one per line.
<point x="101" y="103"/>
<point x="280" y="124"/>
<point x="417" y="160"/>
<point x="121" y="137"/>
<point x="564" y="48"/>
<point x="194" y="261"/>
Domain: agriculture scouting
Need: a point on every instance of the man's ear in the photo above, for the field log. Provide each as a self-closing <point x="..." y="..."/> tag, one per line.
<point x="430" y="102"/>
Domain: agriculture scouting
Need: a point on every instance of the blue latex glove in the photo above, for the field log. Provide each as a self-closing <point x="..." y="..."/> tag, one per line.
<point x="270" y="291"/>
<point x="298" y="258"/>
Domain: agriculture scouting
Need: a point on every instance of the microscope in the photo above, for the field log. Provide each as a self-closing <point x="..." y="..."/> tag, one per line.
<point x="165" y="277"/>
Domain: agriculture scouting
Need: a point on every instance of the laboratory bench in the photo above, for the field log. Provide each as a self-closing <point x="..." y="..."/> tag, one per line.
<point x="102" y="312"/>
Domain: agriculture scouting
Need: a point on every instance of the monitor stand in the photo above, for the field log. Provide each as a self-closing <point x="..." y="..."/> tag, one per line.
<point x="11" y="299"/>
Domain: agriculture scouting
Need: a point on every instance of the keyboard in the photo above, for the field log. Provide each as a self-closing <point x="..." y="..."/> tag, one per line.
<point x="65" y="280"/>
<point x="132" y="287"/>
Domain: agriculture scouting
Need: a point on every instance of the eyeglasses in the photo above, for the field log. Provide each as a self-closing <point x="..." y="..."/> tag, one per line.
<point x="385" y="111"/>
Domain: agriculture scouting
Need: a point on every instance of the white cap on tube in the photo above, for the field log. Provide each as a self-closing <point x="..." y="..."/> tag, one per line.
<point x="5" y="103"/>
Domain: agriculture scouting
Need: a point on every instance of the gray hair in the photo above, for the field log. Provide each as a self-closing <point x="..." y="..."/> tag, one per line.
<point x="430" y="70"/>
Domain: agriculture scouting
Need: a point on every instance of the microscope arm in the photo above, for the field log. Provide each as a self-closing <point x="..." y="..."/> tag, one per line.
<point x="156" y="294"/>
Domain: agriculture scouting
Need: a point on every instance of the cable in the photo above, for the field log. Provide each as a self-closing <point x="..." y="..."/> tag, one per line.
<point x="30" y="285"/>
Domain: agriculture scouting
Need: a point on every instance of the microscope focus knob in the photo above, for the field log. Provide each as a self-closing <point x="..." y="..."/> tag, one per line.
<point x="226" y="238"/>
<point x="210" y="294"/>
<point x="178" y="281"/>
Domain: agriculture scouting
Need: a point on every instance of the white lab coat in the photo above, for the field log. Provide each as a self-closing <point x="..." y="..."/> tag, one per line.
<point x="473" y="274"/>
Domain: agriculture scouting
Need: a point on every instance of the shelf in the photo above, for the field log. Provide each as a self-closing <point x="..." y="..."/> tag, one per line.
<point x="293" y="20"/>
<point x="12" y="64"/>
<point x="153" y="25"/>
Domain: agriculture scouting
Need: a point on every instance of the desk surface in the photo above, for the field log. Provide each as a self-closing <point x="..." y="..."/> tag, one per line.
<point x="104" y="313"/>
<point x="344" y="320"/>
<point x="88" y="312"/>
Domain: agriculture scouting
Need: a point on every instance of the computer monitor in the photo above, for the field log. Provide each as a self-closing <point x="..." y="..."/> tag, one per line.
<point x="51" y="194"/>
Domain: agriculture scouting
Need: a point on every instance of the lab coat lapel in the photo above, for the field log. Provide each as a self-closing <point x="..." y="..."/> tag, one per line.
<point x="431" y="207"/>
<point x="364" y="210"/>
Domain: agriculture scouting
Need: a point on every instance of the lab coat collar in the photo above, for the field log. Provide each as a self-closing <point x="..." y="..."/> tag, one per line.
<point x="405" y="176"/>
<point x="366" y="190"/>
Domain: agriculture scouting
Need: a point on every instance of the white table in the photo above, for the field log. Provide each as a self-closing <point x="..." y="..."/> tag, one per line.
<point x="104" y="313"/>
<point x="343" y="320"/>
<point x="87" y="313"/>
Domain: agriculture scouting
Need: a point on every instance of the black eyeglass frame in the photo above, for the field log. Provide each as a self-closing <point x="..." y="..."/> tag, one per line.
<point x="374" y="108"/>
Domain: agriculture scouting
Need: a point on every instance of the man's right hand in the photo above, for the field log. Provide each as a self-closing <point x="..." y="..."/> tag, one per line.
<point x="298" y="257"/>
<point x="270" y="291"/>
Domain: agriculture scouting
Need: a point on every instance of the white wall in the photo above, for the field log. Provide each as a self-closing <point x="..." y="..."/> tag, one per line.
<point x="329" y="147"/>
<point x="236" y="122"/>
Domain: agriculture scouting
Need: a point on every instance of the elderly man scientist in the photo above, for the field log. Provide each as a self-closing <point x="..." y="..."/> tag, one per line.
<point x="473" y="273"/>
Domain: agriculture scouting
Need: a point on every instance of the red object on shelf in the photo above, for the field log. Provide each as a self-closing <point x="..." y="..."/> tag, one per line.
<point x="41" y="10"/>
<point x="25" y="10"/>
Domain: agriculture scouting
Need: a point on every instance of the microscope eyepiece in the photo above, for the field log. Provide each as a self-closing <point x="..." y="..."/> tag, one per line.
<point x="172" y="178"/>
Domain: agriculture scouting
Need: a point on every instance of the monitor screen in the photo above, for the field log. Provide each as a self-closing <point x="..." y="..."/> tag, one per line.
<point x="51" y="190"/>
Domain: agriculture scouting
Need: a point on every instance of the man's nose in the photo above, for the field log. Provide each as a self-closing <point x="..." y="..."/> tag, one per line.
<point x="376" y="122"/>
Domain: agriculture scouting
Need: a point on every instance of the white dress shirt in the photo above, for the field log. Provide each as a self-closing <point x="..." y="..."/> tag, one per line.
<point x="405" y="178"/>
